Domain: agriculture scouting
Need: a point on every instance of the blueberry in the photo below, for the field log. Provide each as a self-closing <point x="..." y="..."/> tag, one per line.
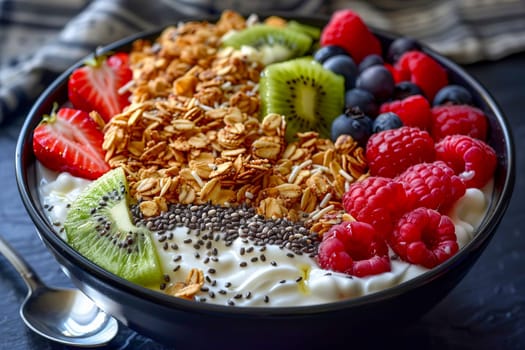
<point x="454" y="94"/>
<point x="362" y="99"/>
<point x="343" y="65"/>
<point x="328" y="51"/>
<point x="370" y="60"/>
<point x="359" y="126"/>
<point x="404" y="89"/>
<point x="377" y="80"/>
<point x="386" y="121"/>
<point x="401" y="45"/>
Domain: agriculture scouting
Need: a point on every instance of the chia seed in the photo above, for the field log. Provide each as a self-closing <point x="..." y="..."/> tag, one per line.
<point x="232" y="222"/>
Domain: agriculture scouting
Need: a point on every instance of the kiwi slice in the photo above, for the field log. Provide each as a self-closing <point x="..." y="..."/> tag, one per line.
<point x="99" y="226"/>
<point x="309" y="96"/>
<point x="274" y="44"/>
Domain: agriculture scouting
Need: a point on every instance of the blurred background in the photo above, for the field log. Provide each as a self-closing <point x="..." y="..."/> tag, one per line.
<point x="41" y="38"/>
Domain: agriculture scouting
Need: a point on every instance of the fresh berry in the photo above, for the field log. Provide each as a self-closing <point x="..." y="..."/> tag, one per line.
<point x="96" y="85"/>
<point x="353" y="248"/>
<point x="354" y="123"/>
<point x="391" y="152"/>
<point x="398" y="75"/>
<point x="386" y="121"/>
<point x="401" y="45"/>
<point x="453" y="94"/>
<point x="413" y="111"/>
<point x="343" y="65"/>
<point x="378" y="201"/>
<point x="347" y="29"/>
<point x="424" y="237"/>
<point x="378" y="80"/>
<point x="472" y="159"/>
<point x="458" y="119"/>
<point x="423" y="71"/>
<point x="432" y="185"/>
<point x="69" y="140"/>
<point x="362" y="99"/>
<point x="325" y="52"/>
<point x="405" y="89"/>
<point x="369" y="61"/>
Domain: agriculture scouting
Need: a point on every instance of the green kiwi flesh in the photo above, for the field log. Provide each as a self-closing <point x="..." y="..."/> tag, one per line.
<point x="309" y="96"/>
<point x="274" y="44"/>
<point x="99" y="226"/>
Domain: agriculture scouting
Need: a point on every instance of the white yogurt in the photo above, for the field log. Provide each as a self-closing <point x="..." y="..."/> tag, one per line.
<point x="291" y="281"/>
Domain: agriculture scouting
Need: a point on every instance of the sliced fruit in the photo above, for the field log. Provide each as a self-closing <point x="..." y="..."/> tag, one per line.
<point x="69" y="140"/>
<point x="98" y="225"/>
<point x="273" y="44"/>
<point x="97" y="85"/>
<point x="309" y="96"/>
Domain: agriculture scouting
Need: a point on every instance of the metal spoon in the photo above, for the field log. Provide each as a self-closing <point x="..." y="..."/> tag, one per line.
<point x="63" y="315"/>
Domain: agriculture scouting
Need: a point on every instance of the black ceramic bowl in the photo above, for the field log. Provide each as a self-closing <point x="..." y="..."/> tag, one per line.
<point x="181" y="323"/>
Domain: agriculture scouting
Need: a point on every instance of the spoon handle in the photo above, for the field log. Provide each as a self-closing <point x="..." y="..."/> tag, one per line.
<point x="28" y="274"/>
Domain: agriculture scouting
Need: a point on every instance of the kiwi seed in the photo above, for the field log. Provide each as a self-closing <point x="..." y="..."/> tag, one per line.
<point x="99" y="226"/>
<point x="274" y="44"/>
<point x="309" y="96"/>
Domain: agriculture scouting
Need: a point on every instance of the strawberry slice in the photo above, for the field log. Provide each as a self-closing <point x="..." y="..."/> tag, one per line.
<point x="95" y="86"/>
<point x="69" y="140"/>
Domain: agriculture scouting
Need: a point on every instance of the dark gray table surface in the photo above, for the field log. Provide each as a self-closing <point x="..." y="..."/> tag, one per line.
<point x="485" y="311"/>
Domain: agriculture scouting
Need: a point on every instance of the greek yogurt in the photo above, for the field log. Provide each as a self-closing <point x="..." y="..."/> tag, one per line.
<point x="239" y="272"/>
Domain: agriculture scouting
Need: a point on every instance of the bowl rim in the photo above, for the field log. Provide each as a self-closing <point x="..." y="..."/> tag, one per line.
<point x="483" y="234"/>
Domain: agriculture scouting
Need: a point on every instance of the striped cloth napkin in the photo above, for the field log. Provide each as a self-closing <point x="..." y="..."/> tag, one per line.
<point x="41" y="38"/>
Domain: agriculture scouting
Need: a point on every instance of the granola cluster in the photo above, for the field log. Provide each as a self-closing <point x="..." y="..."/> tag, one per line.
<point x="193" y="134"/>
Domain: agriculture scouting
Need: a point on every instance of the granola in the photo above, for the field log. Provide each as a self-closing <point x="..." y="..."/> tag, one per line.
<point x="193" y="134"/>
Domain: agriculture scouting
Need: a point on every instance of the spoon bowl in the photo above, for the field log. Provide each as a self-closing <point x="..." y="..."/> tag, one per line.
<point x="65" y="316"/>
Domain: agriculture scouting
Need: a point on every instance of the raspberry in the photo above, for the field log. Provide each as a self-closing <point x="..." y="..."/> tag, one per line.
<point x="353" y="248"/>
<point x="424" y="237"/>
<point x="397" y="74"/>
<point x="391" y="152"/>
<point x="423" y="71"/>
<point x="377" y="201"/>
<point x="413" y="110"/>
<point x="458" y="119"/>
<point x="432" y="185"/>
<point x="472" y="159"/>
<point x="346" y="29"/>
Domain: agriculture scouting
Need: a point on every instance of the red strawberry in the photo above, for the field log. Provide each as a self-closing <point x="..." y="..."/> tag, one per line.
<point x="69" y="140"/>
<point x="413" y="111"/>
<point x="95" y="86"/>
<point x="347" y="30"/>
<point x="423" y="71"/>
